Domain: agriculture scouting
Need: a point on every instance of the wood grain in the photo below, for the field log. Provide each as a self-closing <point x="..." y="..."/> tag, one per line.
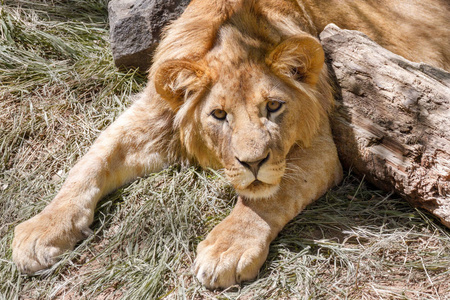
<point x="392" y="119"/>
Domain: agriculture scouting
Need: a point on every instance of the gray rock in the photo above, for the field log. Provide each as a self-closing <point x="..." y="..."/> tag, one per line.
<point x="136" y="26"/>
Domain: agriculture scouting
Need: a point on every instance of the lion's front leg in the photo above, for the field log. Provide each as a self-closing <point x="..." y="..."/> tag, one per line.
<point x="127" y="149"/>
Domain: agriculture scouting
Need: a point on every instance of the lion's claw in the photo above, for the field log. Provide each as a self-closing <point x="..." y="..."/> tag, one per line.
<point x="39" y="242"/>
<point x="225" y="258"/>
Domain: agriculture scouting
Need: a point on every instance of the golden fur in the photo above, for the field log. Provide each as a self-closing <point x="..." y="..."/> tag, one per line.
<point x="239" y="85"/>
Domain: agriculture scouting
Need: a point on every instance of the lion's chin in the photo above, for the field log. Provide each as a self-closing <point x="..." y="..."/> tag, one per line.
<point x="258" y="190"/>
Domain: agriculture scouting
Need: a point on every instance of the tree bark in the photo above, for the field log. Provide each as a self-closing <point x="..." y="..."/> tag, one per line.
<point x="392" y="119"/>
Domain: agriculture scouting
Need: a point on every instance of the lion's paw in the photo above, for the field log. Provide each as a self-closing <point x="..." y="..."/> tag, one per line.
<point x="224" y="260"/>
<point x="39" y="242"/>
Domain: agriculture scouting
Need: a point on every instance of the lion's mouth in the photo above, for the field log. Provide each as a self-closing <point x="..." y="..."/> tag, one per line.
<point x="258" y="189"/>
<point x="265" y="185"/>
<point x="257" y="184"/>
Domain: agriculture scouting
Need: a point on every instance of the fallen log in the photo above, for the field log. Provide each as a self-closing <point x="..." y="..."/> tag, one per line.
<point x="392" y="119"/>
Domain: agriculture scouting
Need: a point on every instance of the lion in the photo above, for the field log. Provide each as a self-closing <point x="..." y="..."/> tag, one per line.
<point x="240" y="86"/>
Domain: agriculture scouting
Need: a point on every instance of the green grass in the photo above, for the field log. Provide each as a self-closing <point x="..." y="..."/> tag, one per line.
<point x="59" y="88"/>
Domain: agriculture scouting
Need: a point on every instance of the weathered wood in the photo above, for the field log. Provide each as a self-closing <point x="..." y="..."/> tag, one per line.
<point x="392" y="120"/>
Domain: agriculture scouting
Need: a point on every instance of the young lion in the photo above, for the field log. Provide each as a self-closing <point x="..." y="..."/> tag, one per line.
<point x="239" y="85"/>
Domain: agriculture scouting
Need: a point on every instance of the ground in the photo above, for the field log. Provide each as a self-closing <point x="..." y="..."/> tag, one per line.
<point x="59" y="88"/>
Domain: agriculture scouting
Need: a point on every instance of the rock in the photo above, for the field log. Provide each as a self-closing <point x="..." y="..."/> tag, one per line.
<point x="136" y="26"/>
<point x="392" y="119"/>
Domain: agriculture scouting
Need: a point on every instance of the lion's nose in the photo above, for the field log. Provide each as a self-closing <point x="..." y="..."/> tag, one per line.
<point x="254" y="166"/>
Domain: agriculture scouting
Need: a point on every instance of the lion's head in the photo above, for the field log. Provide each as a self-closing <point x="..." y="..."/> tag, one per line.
<point x="246" y="103"/>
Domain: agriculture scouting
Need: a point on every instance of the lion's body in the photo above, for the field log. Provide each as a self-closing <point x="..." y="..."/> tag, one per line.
<point x="238" y="85"/>
<point x="416" y="30"/>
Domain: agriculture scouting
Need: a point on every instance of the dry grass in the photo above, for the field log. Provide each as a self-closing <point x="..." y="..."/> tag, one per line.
<point x="59" y="89"/>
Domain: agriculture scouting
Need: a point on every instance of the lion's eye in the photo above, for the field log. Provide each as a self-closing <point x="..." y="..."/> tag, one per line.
<point x="219" y="114"/>
<point x="273" y="106"/>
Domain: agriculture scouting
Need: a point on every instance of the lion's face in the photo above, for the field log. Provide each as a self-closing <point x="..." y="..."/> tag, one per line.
<point x="245" y="117"/>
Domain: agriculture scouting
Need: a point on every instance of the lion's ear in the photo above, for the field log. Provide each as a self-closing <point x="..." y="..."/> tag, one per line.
<point x="300" y="58"/>
<point x="176" y="80"/>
